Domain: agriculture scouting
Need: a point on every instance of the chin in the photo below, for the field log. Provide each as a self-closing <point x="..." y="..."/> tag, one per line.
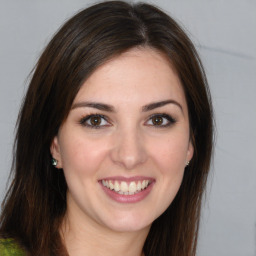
<point x="129" y="223"/>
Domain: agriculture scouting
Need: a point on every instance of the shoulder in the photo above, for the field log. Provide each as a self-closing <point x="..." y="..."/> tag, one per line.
<point x="8" y="247"/>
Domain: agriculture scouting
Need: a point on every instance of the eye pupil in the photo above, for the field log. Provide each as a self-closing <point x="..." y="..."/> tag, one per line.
<point x="157" y="120"/>
<point x="95" y="120"/>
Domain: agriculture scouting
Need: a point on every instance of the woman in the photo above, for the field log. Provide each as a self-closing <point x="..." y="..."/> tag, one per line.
<point x="114" y="140"/>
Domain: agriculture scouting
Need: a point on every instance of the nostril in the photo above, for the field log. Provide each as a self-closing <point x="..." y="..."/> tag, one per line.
<point x="128" y="151"/>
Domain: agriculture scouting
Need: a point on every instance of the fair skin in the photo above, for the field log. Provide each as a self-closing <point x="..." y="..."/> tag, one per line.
<point x="123" y="149"/>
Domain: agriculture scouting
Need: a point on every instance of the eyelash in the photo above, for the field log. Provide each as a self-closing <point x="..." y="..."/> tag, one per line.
<point x="84" y="120"/>
<point x="170" y="120"/>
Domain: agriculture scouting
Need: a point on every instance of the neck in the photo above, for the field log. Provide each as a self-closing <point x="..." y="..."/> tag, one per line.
<point x="90" y="238"/>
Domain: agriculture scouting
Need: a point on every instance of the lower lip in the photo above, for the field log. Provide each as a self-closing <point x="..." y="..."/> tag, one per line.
<point x="128" y="198"/>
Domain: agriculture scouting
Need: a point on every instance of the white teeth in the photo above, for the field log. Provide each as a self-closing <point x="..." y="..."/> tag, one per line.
<point x="125" y="188"/>
<point x="132" y="187"/>
<point x="116" y="187"/>
<point x="111" y="186"/>
<point x="143" y="184"/>
<point x="139" y="186"/>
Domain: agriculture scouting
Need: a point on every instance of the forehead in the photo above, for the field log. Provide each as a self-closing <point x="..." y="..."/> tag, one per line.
<point x="138" y="76"/>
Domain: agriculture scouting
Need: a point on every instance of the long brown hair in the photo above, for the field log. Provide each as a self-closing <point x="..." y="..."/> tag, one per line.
<point x="36" y="200"/>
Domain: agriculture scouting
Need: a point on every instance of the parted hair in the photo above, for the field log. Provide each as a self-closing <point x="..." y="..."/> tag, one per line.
<point x="35" y="203"/>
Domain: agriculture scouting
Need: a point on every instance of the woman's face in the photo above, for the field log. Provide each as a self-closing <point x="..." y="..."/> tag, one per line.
<point x="125" y="143"/>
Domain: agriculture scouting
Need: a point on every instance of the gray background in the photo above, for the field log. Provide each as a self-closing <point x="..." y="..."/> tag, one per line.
<point x="225" y="35"/>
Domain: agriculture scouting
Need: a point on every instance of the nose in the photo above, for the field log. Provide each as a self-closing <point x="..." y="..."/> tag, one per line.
<point x="128" y="149"/>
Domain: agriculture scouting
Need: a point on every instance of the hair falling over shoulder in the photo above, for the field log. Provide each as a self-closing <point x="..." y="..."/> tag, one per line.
<point x="35" y="203"/>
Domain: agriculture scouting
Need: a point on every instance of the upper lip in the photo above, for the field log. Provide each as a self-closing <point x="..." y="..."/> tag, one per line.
<point x="128" y="179"/>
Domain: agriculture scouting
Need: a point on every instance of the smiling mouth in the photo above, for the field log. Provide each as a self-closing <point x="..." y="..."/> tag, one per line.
<point x="126" y="188"/>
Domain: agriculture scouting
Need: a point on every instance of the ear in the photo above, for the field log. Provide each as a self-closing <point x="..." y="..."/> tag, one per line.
<point x="190" y="151"/>
<point x="55" y="151"/>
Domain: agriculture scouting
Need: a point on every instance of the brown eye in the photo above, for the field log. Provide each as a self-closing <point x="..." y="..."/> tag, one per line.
<point x="95" y="120"/>
<point x="157" y="120"/>
<point x="161" y="120"/>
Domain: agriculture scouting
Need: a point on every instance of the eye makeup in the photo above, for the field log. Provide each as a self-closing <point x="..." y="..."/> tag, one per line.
<point x="97" y="121"/>
<point x="160" y="120"/>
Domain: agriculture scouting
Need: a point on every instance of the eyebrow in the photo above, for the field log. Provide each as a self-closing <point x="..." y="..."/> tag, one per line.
<point x="159" y="104"/>
<point x="109" y="108"/>
<point x="100" y="106"/>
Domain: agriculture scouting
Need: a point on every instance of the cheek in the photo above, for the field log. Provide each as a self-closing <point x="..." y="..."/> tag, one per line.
<point x="82" y="156"/>
<point x="170" y="154"/>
